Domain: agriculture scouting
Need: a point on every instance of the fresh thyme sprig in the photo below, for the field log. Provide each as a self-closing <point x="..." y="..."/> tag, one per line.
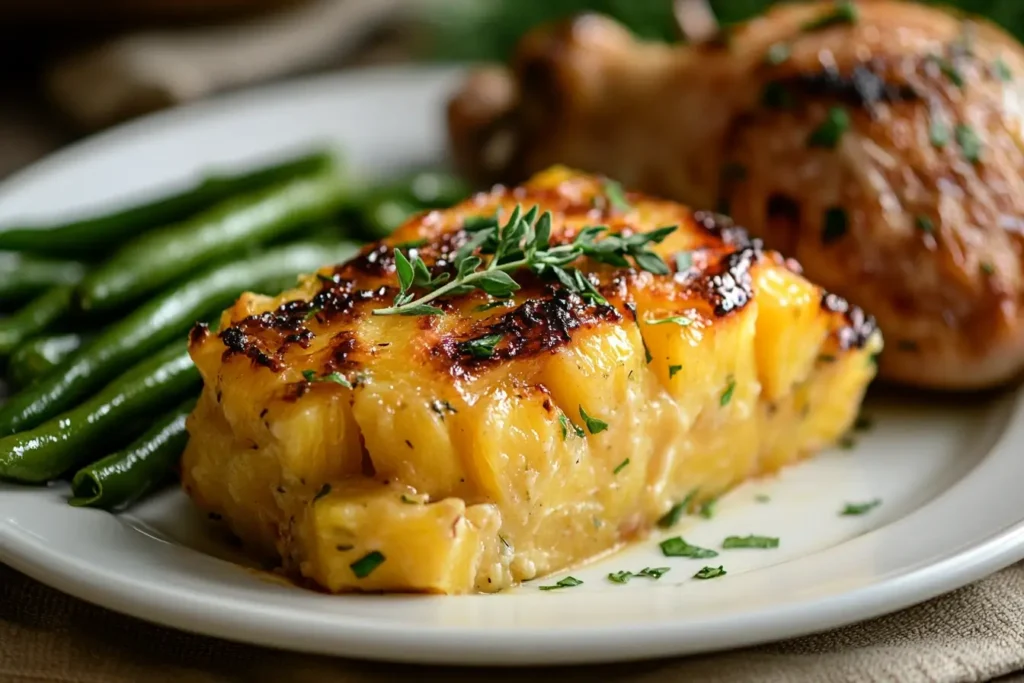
<point x="523" y="242"/>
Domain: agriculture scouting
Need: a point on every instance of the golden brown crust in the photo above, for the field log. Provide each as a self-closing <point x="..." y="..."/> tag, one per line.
<point x="931" y="236"/>
<point x="321" y="320"/>
<point x="327" y="433"/>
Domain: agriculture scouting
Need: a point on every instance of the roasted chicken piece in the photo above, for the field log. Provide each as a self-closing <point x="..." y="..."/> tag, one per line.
<point x="505" y="439"/>
<point x="880" y="143"/>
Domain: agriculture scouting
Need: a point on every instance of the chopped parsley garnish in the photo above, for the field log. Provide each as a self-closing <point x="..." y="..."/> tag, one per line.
<point x="616" y="195"/>
<point x="777" y="54"/>
<point x="673" y="369"/>
<point x="410" y="501"/>
<point x="707" y="508"/>
<point x="568" y="424"/>
<point x="831" y="130"/>
<point x="680" y="320"/>
<point x="835" y="225"/>
<point x="313" y="312"/>
<point x="441" y="407"/>
<point x="675" y="513"/>
<point x="776" y="96"/>
<point x="337" y="378"/>
<point x="845" y="12"/>
<point x="1001" y="70"/>
<point x="677" y="547"/>
<point x="987" y="268"/>
<point x="863" y="423"/>
<point x="646" y="573"/>
<point x="938" y="132"/>
<point x="684" y="261"/>
<point x="328" y="279"/>
<point x="333" y="377"/>
<point x="653" y="572"/>
<point x="594" y="425"/>
<point x="751" y="541"/>
<point x="523" y="243"/>
<point x="950" y="71"/>
<point x="365" y="565"/>
<point x="620" y="577"/>
<point x="970" y="143"/>
<point x="710" y="572"/>
<point x="853" y="509"/>
<point x="924" y="223"/>
<point x="727" y="394"/>
<point x="482" y="347"/>
<point x="621" y="466"/>
<point x="567" y="582"/>
<point x="494" y="304"/>
<point x="324" y="490"/>
<point x="762" y="498"/>
<point x="827" y="358"/>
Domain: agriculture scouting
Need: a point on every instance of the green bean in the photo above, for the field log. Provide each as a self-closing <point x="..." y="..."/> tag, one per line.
<point x="382" y="208"/>
<point x="155" y="324"/>
<point x="382" y="216"/>
<point x="98" y="234"/>
<point x="435" y="189"/>
<point x="36" y="357"/>
<point x="70" y="439"/>
<point x="24" y="276"/>
<point x="120" y="479"/>
<point x="161" y="256"/>
<point x="35" y="317"/>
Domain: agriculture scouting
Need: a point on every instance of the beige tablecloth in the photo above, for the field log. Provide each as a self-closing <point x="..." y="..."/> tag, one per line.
<point x="973" y="634"/>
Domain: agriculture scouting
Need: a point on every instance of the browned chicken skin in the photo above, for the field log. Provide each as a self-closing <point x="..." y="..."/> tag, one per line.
<point x="883" y="152"/>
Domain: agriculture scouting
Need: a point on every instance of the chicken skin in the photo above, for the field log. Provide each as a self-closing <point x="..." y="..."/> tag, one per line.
<point x="877" y="142"/>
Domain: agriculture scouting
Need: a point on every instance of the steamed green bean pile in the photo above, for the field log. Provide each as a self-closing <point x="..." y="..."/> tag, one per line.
<point x="98" y="310"/>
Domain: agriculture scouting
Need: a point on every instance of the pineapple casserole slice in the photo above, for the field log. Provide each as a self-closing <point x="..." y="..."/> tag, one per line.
<point x="487" y="440"/>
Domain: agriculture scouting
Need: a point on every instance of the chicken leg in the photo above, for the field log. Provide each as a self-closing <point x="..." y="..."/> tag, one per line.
<point x="879" y="143"/>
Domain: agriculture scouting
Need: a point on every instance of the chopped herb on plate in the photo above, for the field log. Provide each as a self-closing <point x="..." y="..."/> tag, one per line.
<point x="567" y="582"/>
<point x="831" y="130"/>
<point x="727" y="394"/>
<point x="482" y="347"/>
<point x="677" y="547"/>
<point x="710" y="572"/>
<point x="751" y="541"/>
<point x="594" y="425"/>
<point x="853" y="509"/>
<point x="365" y="565"/>
<point x="680" y="320"/>
<point x="672" y="517"/>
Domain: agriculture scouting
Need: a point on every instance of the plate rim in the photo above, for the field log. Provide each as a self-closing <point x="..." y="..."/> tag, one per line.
<point x="167" y="607"/>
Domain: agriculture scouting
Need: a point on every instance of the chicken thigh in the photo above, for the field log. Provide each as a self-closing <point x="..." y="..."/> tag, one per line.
<point x="878" y="142"/>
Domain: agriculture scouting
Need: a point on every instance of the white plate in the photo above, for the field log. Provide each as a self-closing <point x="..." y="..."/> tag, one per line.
<point x="948" y="472"/>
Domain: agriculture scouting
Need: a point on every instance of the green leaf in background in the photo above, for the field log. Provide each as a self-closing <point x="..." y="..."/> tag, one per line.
<point x="490" y="29"/>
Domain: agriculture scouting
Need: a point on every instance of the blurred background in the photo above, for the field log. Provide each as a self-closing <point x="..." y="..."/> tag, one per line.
<point x="71" y="67"/>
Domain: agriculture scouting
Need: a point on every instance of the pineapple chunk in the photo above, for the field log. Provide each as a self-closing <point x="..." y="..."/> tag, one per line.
<point x="376" y="453"/>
